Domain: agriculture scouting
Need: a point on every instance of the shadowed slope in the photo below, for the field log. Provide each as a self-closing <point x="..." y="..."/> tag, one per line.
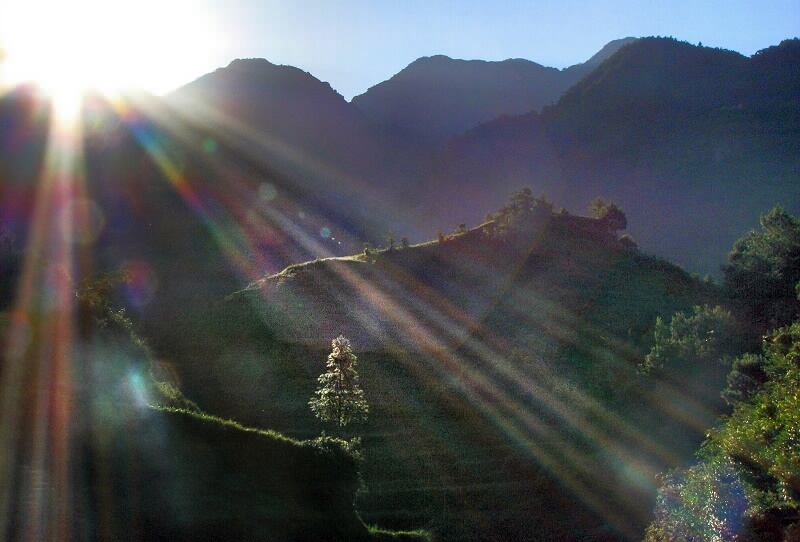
<point x="501" y="374"/>
<point x="436" y="98"/>
<point x="693" y="141"/>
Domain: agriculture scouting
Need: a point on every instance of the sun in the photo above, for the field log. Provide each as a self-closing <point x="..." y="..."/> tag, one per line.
<point x="70" y="47"/>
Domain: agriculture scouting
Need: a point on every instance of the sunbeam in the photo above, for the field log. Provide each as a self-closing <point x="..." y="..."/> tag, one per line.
<point x="38" y="365"/>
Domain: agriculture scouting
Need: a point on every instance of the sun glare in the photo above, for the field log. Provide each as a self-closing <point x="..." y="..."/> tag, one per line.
<point x="68" y="48"/>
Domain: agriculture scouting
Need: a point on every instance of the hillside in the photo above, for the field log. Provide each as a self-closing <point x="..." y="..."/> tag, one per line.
<point x="129" y="457"/>
<point x="502" y="362"/>
<point x="696" y="139"/>
<point x="694" y="142"/>
<point x="436" y="98"/>
<point x="500" y="371"/>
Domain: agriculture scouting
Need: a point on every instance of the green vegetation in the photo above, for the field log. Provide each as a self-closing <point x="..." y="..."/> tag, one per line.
<point x="471" y="340"/>
<point x="10" y="265"/>
<point x="746" y="379"/>
<point x="534" y="319"/>
<point x="707" y="335"/>
<point x="95" y="294"/>
<point x="384" y="535"/>
<point x="763" y="270"/>
<point x="627" y="311"/>
<point x="628" y="242"/>
<point x="608" y="213"/>
<point x="523" y="214"/>
<point x="222" y="478"/>
<point x="339" y="398"/>
<point x="746" y="485"/>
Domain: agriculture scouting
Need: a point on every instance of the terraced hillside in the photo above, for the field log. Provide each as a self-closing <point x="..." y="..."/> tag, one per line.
<point x="501" y="370"/>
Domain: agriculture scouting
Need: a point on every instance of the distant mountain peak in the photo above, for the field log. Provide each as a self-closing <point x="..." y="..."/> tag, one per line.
<point x="250" y="63"/>
<point x="608" y="50"/>
<point x="444" y="59"/>
<point x="437" y="97"/>
<point x="261" y="66"/>
<point x="261" y="79"/>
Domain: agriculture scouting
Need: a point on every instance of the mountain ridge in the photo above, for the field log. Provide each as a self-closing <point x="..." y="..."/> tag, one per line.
<point x="655" y="121"/>
<point x="437" y="97"/>
<point x="447" y="330"/>
<point x="661" y="151"/>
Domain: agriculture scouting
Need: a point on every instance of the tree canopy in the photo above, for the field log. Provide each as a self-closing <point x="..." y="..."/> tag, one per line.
<point x="763" y="270"/>
<point x="609" y="213"/>
<point x="747" y="485"/>
<point x="706" y="335"/>
<point x="523" y="213"/>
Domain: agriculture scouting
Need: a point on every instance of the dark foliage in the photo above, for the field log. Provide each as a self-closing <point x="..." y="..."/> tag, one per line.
<point x="746" y="379"/>
<point x="524" y="213"/>
<point x="628" y="242"/>
<point x="609" y="214"/>
<point x="763" y="270"/>
<point x="746" y="486"/>
<point x="747" y="483"/>
<point x="705" y="336"/>
<point x="10" y="267"/>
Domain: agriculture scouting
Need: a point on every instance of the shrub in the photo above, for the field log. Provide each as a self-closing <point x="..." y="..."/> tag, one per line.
<point x="708" y="334"/>
<point x="747" y="485"/>
<point x="523" y="213"/>
<point x="627" y="242"/>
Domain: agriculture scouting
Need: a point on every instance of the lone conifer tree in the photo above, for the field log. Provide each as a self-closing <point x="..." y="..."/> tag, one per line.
<point x="339" y="398"/>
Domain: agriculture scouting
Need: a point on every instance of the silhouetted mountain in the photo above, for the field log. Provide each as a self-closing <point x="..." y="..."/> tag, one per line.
<point x="436" y="98"/>
<point x="298" y="126"/>
<point x="367" y="164"/>
<point x="600" y="56"/>
<point x="286" y="116"/>
<point x="693" y="142"/>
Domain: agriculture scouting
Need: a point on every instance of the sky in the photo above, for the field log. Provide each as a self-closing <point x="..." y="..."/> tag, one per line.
<point x="355" y="44"/>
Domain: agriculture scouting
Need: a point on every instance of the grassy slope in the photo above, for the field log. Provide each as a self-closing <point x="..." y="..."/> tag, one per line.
<point x="505" y="399"/>
<point x="135" y="468"/>
<point x="200" y="477"/>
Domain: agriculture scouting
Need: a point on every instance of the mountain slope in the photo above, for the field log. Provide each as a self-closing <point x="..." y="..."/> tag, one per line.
<point x="436" y="98"/>
<point x="288" y="121"/>
<point x="500" y="372"/>
<point x="698" y="140"/>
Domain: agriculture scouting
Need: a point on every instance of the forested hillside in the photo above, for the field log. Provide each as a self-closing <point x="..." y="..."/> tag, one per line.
<point x="745" y="484"/>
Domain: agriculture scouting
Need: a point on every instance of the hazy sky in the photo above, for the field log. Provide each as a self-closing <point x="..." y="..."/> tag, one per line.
<point x="352" y="44"/>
